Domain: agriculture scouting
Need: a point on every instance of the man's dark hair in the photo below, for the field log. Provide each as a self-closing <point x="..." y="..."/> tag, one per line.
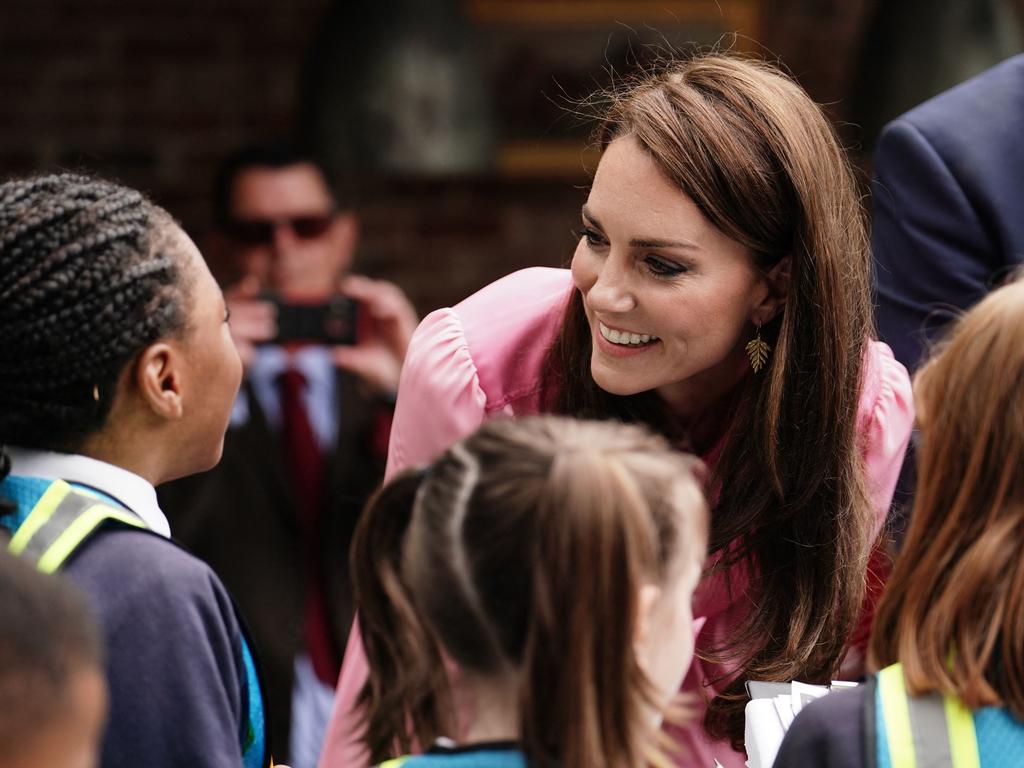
<point x="89" y="277"/>
<point x="47" y="634"/>
<point x="272" y="156"/>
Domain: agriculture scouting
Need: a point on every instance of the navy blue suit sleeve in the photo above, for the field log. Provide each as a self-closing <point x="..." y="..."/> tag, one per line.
<point x="933" y="257"/>
<point x="828" y="733"/>
<point x="173" y="653"/>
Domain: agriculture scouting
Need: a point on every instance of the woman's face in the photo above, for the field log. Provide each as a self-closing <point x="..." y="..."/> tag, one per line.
<point x="214" y="370"/>
<point x="668" y="297"/>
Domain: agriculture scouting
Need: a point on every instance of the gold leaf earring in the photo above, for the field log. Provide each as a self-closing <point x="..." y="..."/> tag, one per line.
<point x="96" y="393"/>
<point x="757" y="351"/>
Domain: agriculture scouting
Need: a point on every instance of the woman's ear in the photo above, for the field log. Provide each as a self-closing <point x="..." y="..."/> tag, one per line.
<point x="778" y="280"/>
<point x="158" y="378"/>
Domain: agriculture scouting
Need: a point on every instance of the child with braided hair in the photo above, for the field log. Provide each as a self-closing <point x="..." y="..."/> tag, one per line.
<point x="554" y="561"/>
<point x="117" y="373"/>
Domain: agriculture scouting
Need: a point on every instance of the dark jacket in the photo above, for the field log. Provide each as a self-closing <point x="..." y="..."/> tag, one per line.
<point x="948" y="220"/>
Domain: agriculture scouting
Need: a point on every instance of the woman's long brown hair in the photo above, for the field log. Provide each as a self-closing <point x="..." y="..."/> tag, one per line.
<point x="523" y="548"/>
<point x="953" y="613"/>
<point x="762" y="163"/>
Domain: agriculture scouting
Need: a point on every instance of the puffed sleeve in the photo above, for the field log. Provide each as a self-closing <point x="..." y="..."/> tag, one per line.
<point x="885" y="420"/>
<point x="439" y="395"/>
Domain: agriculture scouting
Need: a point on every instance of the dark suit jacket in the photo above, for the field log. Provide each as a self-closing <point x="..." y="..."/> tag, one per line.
<point x="240" y="518"/>
<point x="948" y="194"/>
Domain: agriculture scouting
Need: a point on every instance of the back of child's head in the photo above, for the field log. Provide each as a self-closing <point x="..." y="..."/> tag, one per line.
<point x="953" y="614"/>
<point x="524" y="549"/>
<point x="52" y="690"/>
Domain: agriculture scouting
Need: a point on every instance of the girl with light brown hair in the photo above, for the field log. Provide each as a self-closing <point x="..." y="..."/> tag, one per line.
<point x="554" y="562"/>
<point x="719" y="294"/>
<point x="948" y="640"/>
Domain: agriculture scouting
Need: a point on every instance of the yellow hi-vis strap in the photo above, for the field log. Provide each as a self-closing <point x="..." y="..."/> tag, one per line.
<point x="59" y="522"/>
<point x="396" y="763"/>
<point x="963" y="739"/>
<point x="896" y="715"/>
<point x="929" y="730"/>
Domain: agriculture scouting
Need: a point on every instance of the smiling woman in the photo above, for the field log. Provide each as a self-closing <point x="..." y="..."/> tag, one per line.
<point x="723" y="222"/>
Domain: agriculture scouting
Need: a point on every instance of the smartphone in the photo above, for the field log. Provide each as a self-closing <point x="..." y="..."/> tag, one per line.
<point x="331" y="321"/>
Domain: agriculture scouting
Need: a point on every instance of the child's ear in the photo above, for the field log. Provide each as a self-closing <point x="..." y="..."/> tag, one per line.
<point x="778" y="279"/>
<point x="158" y="377"/>
<point x="646" y="600"/>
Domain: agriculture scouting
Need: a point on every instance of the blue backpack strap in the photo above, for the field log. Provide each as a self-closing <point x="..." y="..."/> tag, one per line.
<point x="60" y="521"/>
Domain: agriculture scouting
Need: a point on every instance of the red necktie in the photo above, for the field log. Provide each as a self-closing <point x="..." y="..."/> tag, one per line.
<point x="304" y="462"/>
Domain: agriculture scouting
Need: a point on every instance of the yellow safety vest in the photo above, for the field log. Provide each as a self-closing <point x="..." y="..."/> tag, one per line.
<point x="60" y="521"/>
<point x="930" y="731"/>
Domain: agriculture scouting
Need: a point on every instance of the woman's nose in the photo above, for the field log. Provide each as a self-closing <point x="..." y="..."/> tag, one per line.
<point x="612" y="291"/>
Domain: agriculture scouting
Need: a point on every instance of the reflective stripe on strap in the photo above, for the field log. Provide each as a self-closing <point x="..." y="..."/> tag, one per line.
<point x="896" y="715"/>
<point x="962" y="736"/>
<point x="61" y="520"/>
<point x="930" y="731"/>
<point x="931" y="738"/>
<point x="39" y="515"/>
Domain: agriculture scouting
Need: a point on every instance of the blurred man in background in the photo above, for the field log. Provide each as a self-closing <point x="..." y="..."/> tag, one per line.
<point x="308" y="437"/>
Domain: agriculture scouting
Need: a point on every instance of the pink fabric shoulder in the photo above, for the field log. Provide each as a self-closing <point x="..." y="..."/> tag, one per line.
<point x="480" y="357"/>
<point x="885" y="418"/>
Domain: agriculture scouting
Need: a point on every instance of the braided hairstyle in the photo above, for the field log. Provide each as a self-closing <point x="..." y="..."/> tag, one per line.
<point x="89" y="277"/>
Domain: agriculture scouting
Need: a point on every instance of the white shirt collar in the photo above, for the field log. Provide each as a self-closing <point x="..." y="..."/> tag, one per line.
<point x="135" y="492"/>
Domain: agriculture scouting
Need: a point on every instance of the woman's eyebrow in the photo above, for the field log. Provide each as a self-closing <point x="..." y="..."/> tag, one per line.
<point x="647" y="243"/>
<point x="643" y="242"/>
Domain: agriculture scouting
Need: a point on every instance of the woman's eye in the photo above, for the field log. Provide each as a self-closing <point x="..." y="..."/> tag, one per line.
<point x="663" y="268"/>
<point x="591" y="236"/>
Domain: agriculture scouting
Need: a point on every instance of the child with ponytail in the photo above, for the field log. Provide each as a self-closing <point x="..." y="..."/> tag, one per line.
<point x="553" y="561"/>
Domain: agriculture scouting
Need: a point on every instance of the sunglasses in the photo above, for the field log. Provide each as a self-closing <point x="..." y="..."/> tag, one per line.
<point x="261" y="231"/>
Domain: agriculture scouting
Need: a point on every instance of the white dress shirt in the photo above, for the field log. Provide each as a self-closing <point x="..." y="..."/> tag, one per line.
<point x="134" y="492"/>
<point x="315" y="365"/>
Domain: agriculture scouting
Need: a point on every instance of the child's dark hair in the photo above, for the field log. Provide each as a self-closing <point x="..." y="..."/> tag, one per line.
<point x="46" y="636"/>
<point x="88" y="278"/>
<point x="523" y="547"/>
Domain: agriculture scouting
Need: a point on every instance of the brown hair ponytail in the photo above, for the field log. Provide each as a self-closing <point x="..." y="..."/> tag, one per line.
<point x="524" y="551"/>
<point x="579" y="654"/>
<point x="408" y="683"/>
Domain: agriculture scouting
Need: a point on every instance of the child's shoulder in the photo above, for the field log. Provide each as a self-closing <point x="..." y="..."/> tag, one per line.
<point x="469" y="756"/>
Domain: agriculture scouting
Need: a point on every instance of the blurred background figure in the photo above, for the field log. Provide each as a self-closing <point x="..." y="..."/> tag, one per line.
<point x="308" y="435"/>
<point x="948" y="213"/>
<point x="53" y="695"/>
<point x="948" y="217"/>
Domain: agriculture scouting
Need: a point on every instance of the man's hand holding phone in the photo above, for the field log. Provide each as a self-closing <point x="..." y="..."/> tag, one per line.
<point x="377" y="357"/>
<point x="367" y="324"/>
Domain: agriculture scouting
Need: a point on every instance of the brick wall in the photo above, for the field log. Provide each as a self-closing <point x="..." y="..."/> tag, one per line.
<point x="152" y="92"/>
<point x="155" y="92"/>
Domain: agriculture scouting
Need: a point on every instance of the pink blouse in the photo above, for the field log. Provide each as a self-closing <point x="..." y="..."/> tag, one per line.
<point x="483" y="358"/>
